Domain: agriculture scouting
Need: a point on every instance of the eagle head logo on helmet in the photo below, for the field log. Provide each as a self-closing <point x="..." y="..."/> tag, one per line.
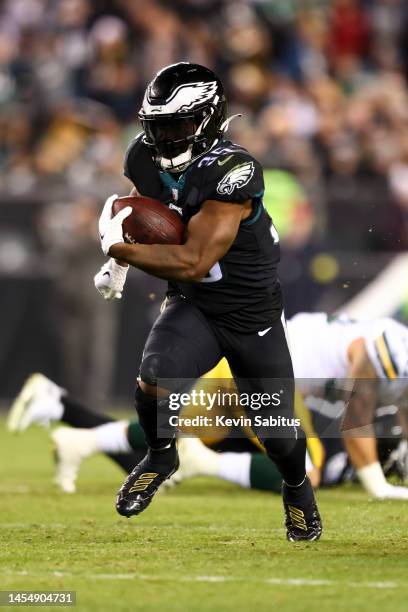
<point x="183" y="115"/>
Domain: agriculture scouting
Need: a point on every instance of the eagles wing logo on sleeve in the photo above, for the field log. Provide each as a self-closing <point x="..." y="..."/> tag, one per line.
<point x="236" y="178"/>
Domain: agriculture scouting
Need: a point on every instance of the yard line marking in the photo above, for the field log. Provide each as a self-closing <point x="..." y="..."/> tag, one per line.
<point x="35" y="526"/>
<point x="212" y="579"/>
<point x="301" y="582"/>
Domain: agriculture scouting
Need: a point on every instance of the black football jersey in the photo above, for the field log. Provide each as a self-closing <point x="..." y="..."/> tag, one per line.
<point x="242" y="290"/>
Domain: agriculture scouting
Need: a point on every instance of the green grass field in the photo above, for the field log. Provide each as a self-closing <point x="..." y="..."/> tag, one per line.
<point x="207" y="545"/>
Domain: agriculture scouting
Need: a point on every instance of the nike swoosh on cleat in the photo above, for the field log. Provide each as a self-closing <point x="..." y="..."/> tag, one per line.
<point x="224" y="161"/>
<point x="264" y="331"/>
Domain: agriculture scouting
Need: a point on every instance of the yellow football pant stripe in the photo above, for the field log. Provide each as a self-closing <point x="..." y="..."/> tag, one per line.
<point x="314" y="445"/>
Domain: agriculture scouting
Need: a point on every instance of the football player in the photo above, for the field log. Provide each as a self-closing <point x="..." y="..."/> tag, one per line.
<point x="360" y="365"/>
<point x="370" y="361"/>
<point x="224" y="296"/>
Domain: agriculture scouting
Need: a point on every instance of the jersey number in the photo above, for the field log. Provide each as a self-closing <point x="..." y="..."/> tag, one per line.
<point x="215" y="273"/>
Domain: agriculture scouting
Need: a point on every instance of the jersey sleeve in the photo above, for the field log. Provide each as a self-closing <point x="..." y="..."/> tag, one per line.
<point x="131" y="154"/>
<point x="139" y="168"/>
<point x="237" y="177"/>
<point x="386" y="345"/>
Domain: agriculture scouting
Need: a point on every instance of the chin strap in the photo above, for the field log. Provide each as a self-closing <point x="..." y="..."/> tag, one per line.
<point x="168" y="164"/>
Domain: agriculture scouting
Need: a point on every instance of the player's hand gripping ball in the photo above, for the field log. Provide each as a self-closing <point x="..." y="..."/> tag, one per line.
<point x="138" y="219"/>
<point x="150" y="221"/>
<point x="110" y="226"/>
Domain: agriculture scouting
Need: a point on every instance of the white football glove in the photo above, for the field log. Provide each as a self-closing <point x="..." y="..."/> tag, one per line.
<point x="393" y="492"/>
<point x="110" y="228"/>
<point x="373" y="480"/>
<point x="110" y="280"/>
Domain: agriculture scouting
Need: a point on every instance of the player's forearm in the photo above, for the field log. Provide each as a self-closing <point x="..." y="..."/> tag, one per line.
<point x="361" y="451"/>
<point x="169" y="262"/>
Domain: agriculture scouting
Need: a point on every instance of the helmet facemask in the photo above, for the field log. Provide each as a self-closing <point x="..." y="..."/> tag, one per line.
<point x="178" y="140"/>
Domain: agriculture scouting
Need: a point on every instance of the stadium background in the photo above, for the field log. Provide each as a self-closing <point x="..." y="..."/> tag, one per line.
<point x="322" y="87"/>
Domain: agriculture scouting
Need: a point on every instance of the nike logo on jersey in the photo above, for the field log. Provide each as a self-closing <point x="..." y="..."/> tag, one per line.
<point x="224" y="161"/>
<point x="106" y="274"/>
<point x="264" y="331"/>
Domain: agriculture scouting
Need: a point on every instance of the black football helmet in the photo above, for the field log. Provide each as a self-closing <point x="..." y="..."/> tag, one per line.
<point x="183" y="114"/>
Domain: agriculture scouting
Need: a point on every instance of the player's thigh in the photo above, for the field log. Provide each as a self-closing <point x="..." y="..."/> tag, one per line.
<point x="261" y="356"/>
<point x="262" y="369"/>
<point x="180" y="345"/>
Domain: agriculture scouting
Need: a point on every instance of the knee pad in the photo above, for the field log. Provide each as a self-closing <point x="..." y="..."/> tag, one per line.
<point x="156" y="366"/>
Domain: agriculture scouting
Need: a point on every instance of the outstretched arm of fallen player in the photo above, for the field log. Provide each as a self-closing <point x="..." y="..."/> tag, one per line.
<point x="210" y="233"/>
<point x="362" y="448"/>
<point x="357" y="426"/>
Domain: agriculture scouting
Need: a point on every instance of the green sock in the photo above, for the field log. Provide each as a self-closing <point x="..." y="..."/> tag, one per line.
<point x="264" y="474"/>
<point x="135" y="436"/>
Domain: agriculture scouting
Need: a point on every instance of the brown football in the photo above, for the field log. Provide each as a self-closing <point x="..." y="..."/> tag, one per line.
<point x="151" y="222"/>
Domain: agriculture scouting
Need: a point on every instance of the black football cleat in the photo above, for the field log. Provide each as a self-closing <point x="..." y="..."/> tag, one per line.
<point x="303" y="522"/>
<point x="140" y="486"/>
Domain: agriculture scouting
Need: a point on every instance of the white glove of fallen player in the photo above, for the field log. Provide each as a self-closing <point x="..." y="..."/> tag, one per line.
<point x="110" y="228"/>
<point x="393" y="492"/>
<point x="373" y="480"/>
<point x="110" y="280"/>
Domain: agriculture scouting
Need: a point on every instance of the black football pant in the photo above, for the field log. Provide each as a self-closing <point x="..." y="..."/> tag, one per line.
<point x="184" y="344"/>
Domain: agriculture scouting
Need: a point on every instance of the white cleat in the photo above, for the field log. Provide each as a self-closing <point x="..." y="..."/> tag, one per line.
<point x="38" y="402"/>
<point x="71" y="447"/>
<point x="195" y="460"/>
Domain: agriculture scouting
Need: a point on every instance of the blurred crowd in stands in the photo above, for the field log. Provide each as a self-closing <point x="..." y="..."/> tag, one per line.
<point x="322" y="86"/>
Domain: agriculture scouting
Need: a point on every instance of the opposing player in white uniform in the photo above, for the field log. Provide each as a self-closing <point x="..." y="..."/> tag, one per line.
<point x="338" y="348"/>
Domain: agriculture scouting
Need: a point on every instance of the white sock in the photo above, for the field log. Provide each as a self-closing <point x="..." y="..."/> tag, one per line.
<point x="112" y="437"/>
<point x="372" y="478"/>
<point x="235" y="467"/>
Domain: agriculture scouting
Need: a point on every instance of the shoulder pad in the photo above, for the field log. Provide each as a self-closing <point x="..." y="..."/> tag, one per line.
<point x="140" y="169"/>
<point x="133" y="148"/>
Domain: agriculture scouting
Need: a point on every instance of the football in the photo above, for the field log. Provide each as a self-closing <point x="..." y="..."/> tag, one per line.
<point x="151" y="222"/>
